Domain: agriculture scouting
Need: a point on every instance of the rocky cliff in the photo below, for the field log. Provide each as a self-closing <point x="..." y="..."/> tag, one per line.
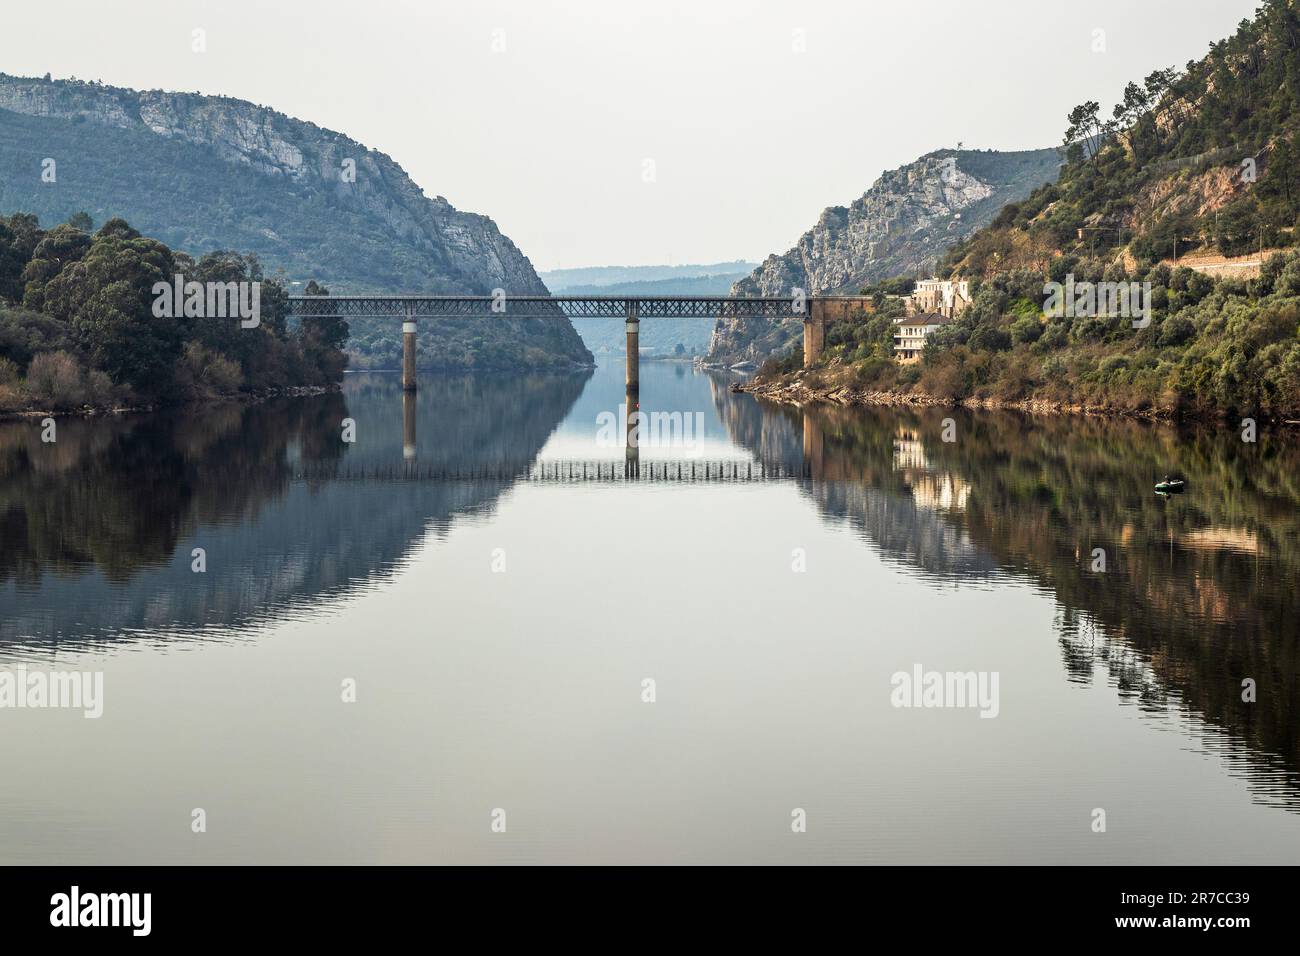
<point x="204" y="172"/>
<point x="902" y="224"/>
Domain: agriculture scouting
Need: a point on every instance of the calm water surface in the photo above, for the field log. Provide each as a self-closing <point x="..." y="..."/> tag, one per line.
<point x="499" y="625"/>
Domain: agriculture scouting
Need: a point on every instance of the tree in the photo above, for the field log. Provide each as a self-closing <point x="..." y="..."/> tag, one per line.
<point x="1135" y="103"/>
<point x="58" y="247"/>
<point x="323" y="338"/>
<point x="1086" y="130"/>
<point x="107" y="295"/>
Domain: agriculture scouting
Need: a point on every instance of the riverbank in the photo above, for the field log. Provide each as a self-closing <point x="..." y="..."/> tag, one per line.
<point x="817" y="387"/>
<point x="93" y="411"/>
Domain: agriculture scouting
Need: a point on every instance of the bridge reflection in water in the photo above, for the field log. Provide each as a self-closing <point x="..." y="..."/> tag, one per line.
<point x="1196" y="597"/>
<point x="1199" y="592"/>
<point x="812" y="465"/>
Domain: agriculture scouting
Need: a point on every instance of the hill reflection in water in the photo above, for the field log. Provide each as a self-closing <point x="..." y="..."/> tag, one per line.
<point x="1199" y="592"/>
<point x="99" y="527"/>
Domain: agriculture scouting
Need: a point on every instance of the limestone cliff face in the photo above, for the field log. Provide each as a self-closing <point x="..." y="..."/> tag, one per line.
<point x="201" y="172"/>
<point x="901" y="224"/>
<point x="475" y="256"/>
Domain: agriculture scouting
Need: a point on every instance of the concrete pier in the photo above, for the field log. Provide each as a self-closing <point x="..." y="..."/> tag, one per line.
<point x="408" y="354"/>
<point x="814" y="331"/>
<point x="633" y="326"/>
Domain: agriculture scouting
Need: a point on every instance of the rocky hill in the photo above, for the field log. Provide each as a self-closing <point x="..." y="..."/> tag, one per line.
<point x="1191" y="166"/>
<point x="207" y="172"/>
<point x="902" y="224"/>
<point x="1202" y="161"/>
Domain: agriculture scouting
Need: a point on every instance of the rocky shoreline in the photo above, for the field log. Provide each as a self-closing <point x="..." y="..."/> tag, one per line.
<point x="795" y="390"/>
<point x="250" y="398"/>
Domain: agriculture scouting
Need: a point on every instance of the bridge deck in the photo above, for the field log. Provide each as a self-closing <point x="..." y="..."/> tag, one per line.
<point x="407" y="307"/>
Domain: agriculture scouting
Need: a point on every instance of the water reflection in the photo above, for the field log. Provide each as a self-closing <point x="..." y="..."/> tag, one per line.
<point x="99" y="529"/>
<point x="1198" y="592"/>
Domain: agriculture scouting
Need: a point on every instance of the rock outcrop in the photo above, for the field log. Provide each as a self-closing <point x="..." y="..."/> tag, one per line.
<point x="901" y="224"/>
<point x="203" y="172"/>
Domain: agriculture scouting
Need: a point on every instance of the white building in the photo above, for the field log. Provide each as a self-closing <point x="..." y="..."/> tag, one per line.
<point x="948" y="297"/>
<point x="910" y="334"/>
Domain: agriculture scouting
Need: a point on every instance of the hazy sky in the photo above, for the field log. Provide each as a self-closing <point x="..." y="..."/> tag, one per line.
<point x="748" y="117"/>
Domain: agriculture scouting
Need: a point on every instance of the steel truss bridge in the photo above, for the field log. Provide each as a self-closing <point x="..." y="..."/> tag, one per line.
<point x="414" y="307"/>
<point x="814" y="311"/>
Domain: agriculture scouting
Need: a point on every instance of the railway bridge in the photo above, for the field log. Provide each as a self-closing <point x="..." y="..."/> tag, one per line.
<point x="815" y="311"/>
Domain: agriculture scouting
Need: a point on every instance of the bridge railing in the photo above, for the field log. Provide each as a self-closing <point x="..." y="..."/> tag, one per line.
<point x="408" y="307"/>
<point x="814" y="311"/>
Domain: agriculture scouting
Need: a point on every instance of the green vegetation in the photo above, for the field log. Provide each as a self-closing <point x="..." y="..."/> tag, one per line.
<point x="198" y="180"/>
<point x="1206" y="158"/>
<point x="898" y="285"/>
<point x="1167" y="172"/>
<point x="77" y="324"/>
<point x="1213" y="347"/>
<point x="189" y="197"/>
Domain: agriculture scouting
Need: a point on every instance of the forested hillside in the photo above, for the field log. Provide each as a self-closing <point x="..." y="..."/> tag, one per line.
<point x="1199" y="159"/>
<point x="209" y="173"/>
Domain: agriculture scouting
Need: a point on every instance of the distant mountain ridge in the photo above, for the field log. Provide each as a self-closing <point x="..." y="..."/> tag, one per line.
<point x="686" y="285"/>
<point x="902" y="224"/>
<point x="208" y="172"/>
<point x="565" y="280"/>
<point x="658" y="336"/>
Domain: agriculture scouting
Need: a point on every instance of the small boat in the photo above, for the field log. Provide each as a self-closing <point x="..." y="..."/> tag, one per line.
<point x="1170" y="486"/>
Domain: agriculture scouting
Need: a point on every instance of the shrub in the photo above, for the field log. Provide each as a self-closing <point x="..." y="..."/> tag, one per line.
<point x="11" y="397"/>
<point x="1028" y="329"/>
<point x="1112" y="364"/>
<point x="55" y="381"/>
<point x="1176" y="331"/>
<point x="205" y="373"/>
<point x="1054" y="368"/>
<point x="877" y="372"/>
<point x="100" y="390"/>
<point x="989" y="339"/>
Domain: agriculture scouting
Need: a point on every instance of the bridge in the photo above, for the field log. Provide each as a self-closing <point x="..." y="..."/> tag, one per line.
<point x="815" y="311"/>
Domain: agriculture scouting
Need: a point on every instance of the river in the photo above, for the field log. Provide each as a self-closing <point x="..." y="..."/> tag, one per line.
<point x="467" y="635"/>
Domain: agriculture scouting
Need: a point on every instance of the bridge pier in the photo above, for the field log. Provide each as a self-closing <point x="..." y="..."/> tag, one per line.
<point x="633" y="326"/>
<point x="815" y="311"/>
<point x="814" y="331"/>
<point x="408" y="352"/>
